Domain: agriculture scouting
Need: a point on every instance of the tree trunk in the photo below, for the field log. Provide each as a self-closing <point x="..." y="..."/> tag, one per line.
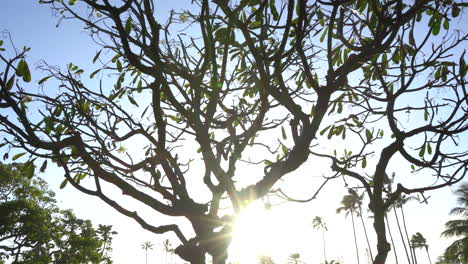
<point x="401" y="235"/>
<point x="383" y="247"/>
<point x="429" y="257"/>
<point x="220" y="259"/>
<point x="355" y="238"/>
<point x="324" y="251"/>
<point x="365" y="233"/>
<point x="413" y="255"/>
<point x="391" y="239"/>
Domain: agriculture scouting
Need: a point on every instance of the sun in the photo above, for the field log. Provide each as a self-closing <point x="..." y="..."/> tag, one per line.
<point x="258" y="231"/>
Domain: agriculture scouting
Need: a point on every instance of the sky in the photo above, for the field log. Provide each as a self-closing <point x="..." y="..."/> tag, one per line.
<point x="35" y="26"/>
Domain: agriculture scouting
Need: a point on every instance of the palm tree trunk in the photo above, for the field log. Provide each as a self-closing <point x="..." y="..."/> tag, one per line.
<point x="429" y="257"/>
<point x="406" y="232"/>
<point x="391" y="239"/>
<point x="365" y="233"/>
<point x="414" y="254"/>
<point x="355" y="238"/>
<point x="324" y="251"/>
<point x="401" y="235"/>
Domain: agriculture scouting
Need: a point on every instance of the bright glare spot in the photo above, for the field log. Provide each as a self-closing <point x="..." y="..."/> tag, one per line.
<point x="259" y="231"/>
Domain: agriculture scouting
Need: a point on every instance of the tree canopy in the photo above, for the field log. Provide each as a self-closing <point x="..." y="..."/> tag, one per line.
<point x="34" y="230"/>
<point x="183" y="102"/>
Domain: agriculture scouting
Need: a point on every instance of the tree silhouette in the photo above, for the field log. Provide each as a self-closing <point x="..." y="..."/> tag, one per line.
<point x="264" y="259"/>
<point x="457" y="252"/>
<point x="147" y="245"/>
<point x="258" y="82"/>
<point x="294" y="258"/>
<point x="167" y="247"/>
<point x="318" y="223"/>
<point x="419" y="241"/>
<point x="359" y="213"/>
<point x="349" y="206"/>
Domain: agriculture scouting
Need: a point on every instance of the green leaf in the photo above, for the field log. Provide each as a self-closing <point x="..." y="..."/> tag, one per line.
<point x="312" y="110"/>
<point x="429" y="148"/>
<point x="331" y="132"/>
<point x="72" y="2"/>
<point x="222" y="35"/>
<point x="411" y="38"/>
<point x="17" y="156"/>
<point x="96" y="56"/>
<point x="364" y="162"/>
<point x="44" y="166"/>
<point x="455" y="10"/>
<point x="132" y="100"/>
<point x="10" y="83"/>
<point x="43" y="80"/>
<point x="91" y="76"/>
<point x="284" y="149"/>
<point x="426" y="115"/>
<point x="283" y="133"/>
<point x="63" y="184"/>
<point x="324" y="34"/>
<point x="58" y="111"/>
<point x="114" y="59"/>
<point x="462" y="66"/>
<point x="446" y="24"/>
<point x="412" y="167"/>
<point x="368" y="135"/>
<point x="324" y="130"/>
<point x="267" y="162"/>
<point x="422" y="151"/>
<point x="29" y="169"/>
<point x="119" y="66"/>
<point x="273" y="10"/>
<point x="128" y="25"/>
<point x="74" y="150"/>
<point x="436" y="27"/>
<point x="255" y="24"/>
<point x="23" y="70"/>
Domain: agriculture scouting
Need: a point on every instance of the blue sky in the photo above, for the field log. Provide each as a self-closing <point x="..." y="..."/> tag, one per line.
<point x="34" y="25"/>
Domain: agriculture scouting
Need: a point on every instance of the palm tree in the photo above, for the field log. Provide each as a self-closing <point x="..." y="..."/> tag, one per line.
<point x="457" y="252"/>
<point x="359" y="199"/>
<point x="167" y="247"/>
<point x="349" y="206"/>
<point x="294" y="258"/>
<point x="418" y="241"/>
<point x="319" y="223"/>
<point x="264" y="259"/>
<point x="147" y="246"/>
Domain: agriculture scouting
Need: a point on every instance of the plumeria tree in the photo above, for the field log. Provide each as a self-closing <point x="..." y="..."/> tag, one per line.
<point x="263" y="83"/>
